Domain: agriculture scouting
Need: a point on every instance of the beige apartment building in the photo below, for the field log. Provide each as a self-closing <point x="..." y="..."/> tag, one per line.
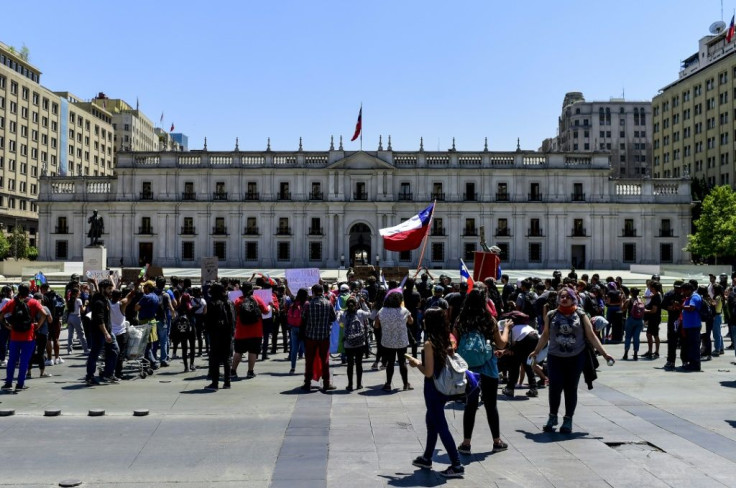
<point x="43" y="132"/>
<point x="693" y="117"/>
<point x="620" y="127"/>
<point x="133" y="130"/>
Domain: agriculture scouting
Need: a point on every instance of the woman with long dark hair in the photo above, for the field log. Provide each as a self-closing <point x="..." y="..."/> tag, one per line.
<point x="476" y="323"/>
<point x="436" y="349"/>
<point x="377" y="306"/>
<point x="294" y="321"/>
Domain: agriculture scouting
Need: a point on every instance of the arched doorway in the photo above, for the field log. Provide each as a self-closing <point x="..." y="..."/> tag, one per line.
<point x="360" y="245"/>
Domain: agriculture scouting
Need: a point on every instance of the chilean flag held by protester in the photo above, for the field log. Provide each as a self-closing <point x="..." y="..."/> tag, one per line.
<point x="407" y="235"/>
<point x="465" y="275"/>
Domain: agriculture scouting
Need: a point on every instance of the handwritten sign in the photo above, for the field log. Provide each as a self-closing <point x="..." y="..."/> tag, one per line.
<point x="99" y="275"/>
<point x="265" y="295"/>
<point x="234" y="295"/>
<point x="302" y="278"/>
<point x="210" y="268"/>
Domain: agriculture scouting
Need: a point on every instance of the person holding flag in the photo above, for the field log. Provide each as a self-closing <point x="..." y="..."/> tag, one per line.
<point x="407" y="235"/>
<point x="465" y="276"/>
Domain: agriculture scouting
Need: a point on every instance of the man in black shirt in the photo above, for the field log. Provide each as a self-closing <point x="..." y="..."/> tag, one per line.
<point x="100" y="335"/>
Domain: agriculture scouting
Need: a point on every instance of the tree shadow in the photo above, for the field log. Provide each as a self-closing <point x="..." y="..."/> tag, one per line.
<point x="547" y="437"/>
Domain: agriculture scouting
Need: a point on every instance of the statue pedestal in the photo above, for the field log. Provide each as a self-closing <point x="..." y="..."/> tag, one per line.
<point x="94" y="258"/>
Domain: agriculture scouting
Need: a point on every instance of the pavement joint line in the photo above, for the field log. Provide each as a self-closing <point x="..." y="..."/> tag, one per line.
<point x="150" y="436"/>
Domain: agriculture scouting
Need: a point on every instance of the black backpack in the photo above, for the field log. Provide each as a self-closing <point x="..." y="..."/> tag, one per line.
<point x="354" y="331"/>
<point x="57" y="303"/>
<point x="20" y="319"/>
<point x="706" y="311"/>
<point x="249" y="311"/>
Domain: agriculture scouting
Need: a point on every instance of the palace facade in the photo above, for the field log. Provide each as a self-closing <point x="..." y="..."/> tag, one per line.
<point x="324" y="209"/>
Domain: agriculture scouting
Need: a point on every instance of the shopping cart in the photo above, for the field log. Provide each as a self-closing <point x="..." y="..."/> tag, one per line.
<point x="138" y="336"/>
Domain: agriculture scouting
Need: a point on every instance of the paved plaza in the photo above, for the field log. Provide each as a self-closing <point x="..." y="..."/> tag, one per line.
<point x="639" y="426"/>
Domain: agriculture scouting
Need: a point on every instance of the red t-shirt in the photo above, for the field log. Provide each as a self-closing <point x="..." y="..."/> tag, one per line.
<point x="253" y="330"/>
<point x="34" y="307"/>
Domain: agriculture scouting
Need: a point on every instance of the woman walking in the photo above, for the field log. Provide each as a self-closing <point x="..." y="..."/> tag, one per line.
<point x="435" y="354"/>
<point x="393" y="319"/>
<point x="566" y="329"/>
<point x="475" y="325"/>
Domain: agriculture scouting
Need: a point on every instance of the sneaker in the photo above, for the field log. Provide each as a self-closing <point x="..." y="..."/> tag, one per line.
<point x="500" y="446"/>
<point x="655" y="355"/>
<point x="329" y="387"/>
<point x="211" y="386"/>
<point x="7" y="386"/>
<point x="647" y="355"/>
<point x="4" y="363"/>
<point x="422" y="462"/>
<point x="59" y="361"/>
<point x="20" y="388"/>
<point x="508" y="392"/>
<point x="532" y="393"/>
<point x="705" y="358"/>
<point x="233" y="374"/>
<point x="453" y="472"/>
<point x="48" y="362"/>
<point x="292" y="371"/>
<point x="111" y="379"/>
<point x="92" y="381"/>
<point x="164" y="364"/>
<point x="669" y="366"/>
<point x="226" y="385"/>
<point x="250" y="375"/>
<point x="715" y="354"/>
<point x="463" y="448"/>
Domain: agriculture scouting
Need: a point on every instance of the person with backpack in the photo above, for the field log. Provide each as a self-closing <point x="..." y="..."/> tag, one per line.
<point x="164" y="314"/>
<point x="6" y="295"/>
<point x="56" y="307"/>
<point x="42" y="337"/>
<point x="565" y="330"/>
<point x="182" y="329"/>
<point x="75" y="310"/>
<point x="691" y="325"/>
<point x="653" y="315"/>
<point x="354" y="322"/>
<point x="478" y="336"/>
<point x="707" y="315"/>
<point x="294" y="320"/>
<point x="249" y="311"/>
<point x="101" y="336"/>
<point x="17" y="316"/>
<point x="436" y="349"/>
<point x="219" y="323"/>
<point x="317" y="319"/>
<point x="635" y="309"/>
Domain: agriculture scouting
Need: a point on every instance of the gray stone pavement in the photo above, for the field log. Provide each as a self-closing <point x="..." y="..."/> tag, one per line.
<point x="639" y="426"/>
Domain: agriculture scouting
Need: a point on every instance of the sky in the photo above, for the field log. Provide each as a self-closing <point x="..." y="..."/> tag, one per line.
<point x="290" y="69"/>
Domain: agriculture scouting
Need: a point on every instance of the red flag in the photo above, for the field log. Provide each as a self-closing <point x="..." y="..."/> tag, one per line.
<point x="172" y="127"/>
<point x="359" y="125"/>
<point x="731" y="30"/>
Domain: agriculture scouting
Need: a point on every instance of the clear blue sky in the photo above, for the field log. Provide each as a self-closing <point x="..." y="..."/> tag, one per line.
<point x="432" y="69"/>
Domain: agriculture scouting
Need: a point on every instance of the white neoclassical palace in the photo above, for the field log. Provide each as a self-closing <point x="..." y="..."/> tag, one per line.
<point x="324" y="209"/>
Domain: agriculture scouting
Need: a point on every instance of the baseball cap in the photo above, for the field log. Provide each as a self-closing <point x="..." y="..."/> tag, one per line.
<point x="438" y="288"/>
<point x="344" y="287"/>
<point x="678" y="284"/>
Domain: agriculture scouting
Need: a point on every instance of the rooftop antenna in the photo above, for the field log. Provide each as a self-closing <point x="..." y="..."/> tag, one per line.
<point x="717" y="27"/>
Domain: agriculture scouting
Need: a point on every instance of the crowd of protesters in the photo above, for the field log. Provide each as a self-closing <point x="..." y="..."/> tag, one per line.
<point x="538" y="329"/>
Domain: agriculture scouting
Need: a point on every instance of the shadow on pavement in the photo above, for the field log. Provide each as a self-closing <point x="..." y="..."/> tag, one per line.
<point x="200" y="391"/>
<point x="729" y="384"/>
<point x="420" y="477"/>
<point x="547" y="437"/>
<point x="732" y="423"/>
<point x="79" y="386"/>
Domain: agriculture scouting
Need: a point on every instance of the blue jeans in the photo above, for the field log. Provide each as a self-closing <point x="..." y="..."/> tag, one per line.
<point x="162" y="329"/>
<point x="297" y="346"/>
<point x="437" y="423"/>
<point x="717" y="335"/>
<point x="111" y="354"/>
<point x="24" y="349"/>
<point x="633" y="331"/>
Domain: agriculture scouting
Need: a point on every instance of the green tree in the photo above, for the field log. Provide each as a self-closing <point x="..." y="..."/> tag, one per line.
<point x="4" y="245"/>
<point x="715" y="228"/>
<point x="32" y="253"/>
<point x="18" y="244"/>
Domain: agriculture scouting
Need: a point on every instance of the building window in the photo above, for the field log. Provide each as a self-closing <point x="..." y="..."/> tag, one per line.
<point x="438" y="252"/>
<point x="503" y="228"/>
<point x="283" y="251"/>
<point x="629" y="252"/>
<point x="405" y="256"/>
<point x="469" y="252"/>
<point x="62" y="250"/>
<point x="283" y="228"/>
<point x="219" y="250"/>
<point x="315" y="251"/>
<point x="504" y="254"/>
<point x="437" y="193"/>
<point x="147" y="191"/>
<point x="470" y="195"/>
<point x="251" y="251"/>
<point x="502" y="192"/>
<point x="187" y="251"/>
<point x="405" y="191"/>
<point x="437" y="228"/>
<point x="360" y="192"/>
<point x="535" y="252"/>
<point x="284" y="193"/>
<point x="665" y="253"/>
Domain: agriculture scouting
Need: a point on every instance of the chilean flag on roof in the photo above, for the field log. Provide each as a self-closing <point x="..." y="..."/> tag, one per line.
<point x="407" y="235"/>
<point x="465" y="275"/>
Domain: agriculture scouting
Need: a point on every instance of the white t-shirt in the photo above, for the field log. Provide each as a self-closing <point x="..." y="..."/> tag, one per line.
<point x="117" y="319"/>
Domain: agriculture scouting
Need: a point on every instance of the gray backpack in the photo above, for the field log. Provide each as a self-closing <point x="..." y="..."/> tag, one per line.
<point x="451" y="380"/>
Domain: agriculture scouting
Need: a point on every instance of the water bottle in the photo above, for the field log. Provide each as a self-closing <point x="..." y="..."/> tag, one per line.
<point x="489" y="347"/>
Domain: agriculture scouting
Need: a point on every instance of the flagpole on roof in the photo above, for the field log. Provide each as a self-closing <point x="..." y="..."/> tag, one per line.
<point x="361" y="126"/>
<point x="426" y="238"/>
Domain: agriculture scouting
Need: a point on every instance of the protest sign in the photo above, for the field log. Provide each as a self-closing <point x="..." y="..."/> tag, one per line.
<point x="209" y="269"/>
<point x="265" y="295"/>
<point x="301" y="278"/>
<point x="234" y="295"/>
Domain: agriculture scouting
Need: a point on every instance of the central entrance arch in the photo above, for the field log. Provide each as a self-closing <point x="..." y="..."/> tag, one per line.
<point x="360" y="244"/>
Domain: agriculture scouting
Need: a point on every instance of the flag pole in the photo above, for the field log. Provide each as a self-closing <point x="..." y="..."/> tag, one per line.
<point x="361" y="126"/>
<point x="426" y="238"/>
